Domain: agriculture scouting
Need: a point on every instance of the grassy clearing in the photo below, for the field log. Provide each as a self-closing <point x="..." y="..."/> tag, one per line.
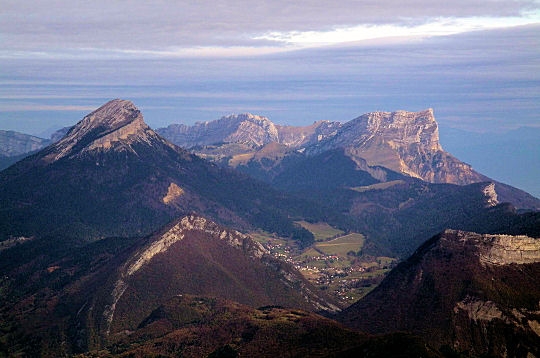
<point x="342" y="245"/>
<point x="321" y="231"/>
<point x="240" y="159"/>
<point x="378" y="186"/>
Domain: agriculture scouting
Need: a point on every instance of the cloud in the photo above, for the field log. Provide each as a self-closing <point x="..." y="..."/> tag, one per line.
<point x="67" y="29"/>
<point x="435" y="27"/>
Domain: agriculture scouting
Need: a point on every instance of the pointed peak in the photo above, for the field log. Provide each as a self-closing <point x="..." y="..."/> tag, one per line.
<point x="112" y="114"/>
<point x="115" y="125"/>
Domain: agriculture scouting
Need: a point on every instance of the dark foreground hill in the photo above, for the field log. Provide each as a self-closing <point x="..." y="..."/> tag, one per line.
<point x="466" y="293"/>
<point x="198" y="326"/>
<point x="60" y="300"/>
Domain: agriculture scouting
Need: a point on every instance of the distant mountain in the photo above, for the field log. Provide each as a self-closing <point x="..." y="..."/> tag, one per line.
<point x="113" y="175"/>
<point x="14" y="143"/>
<point x="405" y="143"/>
<point x="464" y="293"/>
<point x="92" y="295"/>
<point x="15" y="146"/>
<point x="248" y="129"/>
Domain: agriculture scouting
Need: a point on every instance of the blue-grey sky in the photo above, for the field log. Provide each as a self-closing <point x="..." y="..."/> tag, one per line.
<point x="475" y="62"/>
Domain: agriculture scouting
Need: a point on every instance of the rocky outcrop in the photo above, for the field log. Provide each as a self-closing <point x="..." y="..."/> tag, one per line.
<point x="114" y="126"/>
<point x="480" y="291"/>
<point x="247" y="129"/>
<point x="406" y="142"/>
<point x="493" y="249"/>
<point x="198" y="223"/>
<point x="300" y="137"/>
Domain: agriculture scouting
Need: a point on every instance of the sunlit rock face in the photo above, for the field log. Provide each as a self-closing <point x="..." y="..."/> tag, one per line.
<point x="248" y="129"/>
<point x="14" y="143"/>
<point x="116" y="126"/>
<point x="406" y="142"/>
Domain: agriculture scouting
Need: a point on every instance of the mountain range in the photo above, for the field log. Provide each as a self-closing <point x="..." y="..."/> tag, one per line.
<point x="403" y="142"/>
<point x="112" y="168"/>
<point x="116" y="242"/>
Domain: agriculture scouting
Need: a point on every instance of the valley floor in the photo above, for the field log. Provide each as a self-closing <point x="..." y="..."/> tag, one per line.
<point x="334" y="263"/>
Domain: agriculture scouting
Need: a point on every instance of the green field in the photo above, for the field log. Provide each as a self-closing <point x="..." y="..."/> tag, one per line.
<point x="321" y="231"/>
<point x="328" y="264"/>
<point x="342" y="245"/>
<point x="377" y="186"/>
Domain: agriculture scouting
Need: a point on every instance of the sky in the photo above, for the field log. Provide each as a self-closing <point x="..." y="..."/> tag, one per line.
<point x="475" y="62"/>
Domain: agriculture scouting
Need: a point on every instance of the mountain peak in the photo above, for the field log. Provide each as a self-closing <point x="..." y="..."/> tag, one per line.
<point x="403" y="141"/>
<point x="113" y="114"/>
<point x="403" y="127"/>
<point x="245" y="117"/>
<point x="114" y="126"/>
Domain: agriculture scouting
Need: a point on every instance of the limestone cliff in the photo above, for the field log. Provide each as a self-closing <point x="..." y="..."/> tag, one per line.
<point x="406" y="142"/>
<point x="248" y="129"/>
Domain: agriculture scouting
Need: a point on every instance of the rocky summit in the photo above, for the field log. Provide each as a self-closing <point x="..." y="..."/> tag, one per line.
<point x="114" y="126"/>
<point x="405" y="142"/>
<point x="248" y="129"/>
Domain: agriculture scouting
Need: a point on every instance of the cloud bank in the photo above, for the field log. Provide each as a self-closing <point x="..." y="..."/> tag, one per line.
<point x="56" y="28"/>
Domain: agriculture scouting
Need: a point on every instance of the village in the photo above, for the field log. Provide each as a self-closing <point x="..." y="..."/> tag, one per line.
<point x="333" y="264"/>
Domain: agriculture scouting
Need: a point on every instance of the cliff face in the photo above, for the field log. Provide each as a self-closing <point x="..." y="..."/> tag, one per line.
<point x="247" y="129"/>
<point x="244" y="128"/>
<point x="406" y="142"/>
<point x="480" y="292"/>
